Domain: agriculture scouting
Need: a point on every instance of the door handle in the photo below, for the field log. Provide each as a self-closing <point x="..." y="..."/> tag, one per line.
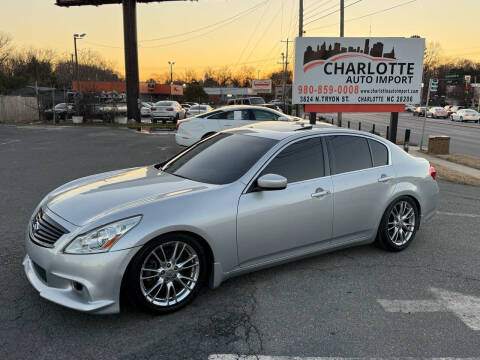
<point x="320" y="193"/>
<point x="385" y="178"/>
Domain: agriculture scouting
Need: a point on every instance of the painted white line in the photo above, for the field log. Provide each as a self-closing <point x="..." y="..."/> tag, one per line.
<point x="265" y="357"/>
<point x="9" y="142"/>
<point x="458" y="214"/>
<point x="411" y="306"/>
<point x="465" y="307"/>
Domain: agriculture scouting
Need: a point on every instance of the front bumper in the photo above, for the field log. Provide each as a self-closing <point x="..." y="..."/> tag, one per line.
<point x="89" y="283"/>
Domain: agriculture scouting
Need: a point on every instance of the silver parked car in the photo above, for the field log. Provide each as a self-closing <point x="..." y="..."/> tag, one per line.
<point x="240" y="200"/>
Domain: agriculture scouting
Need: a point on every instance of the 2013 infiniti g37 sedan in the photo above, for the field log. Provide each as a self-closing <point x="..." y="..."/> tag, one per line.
<point x="238" y="201"/>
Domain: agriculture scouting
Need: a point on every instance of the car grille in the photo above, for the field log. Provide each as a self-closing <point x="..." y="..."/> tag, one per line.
<point x="44" y="231"/>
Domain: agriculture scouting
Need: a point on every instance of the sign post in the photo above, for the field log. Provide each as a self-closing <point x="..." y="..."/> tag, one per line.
<point x="432" y="86"/>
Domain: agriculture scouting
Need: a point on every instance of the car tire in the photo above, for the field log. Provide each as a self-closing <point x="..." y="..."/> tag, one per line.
<point x="461" y="119"/>
<point x="395" y="232"/>
<point x="166" y="288"/>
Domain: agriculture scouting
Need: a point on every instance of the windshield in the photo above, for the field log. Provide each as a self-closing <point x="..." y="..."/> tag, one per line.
<point x="256" y="101"/>
<point x="221" y="159"/>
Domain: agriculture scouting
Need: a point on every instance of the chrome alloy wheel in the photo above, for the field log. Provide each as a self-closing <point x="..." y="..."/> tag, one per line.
<point x="401" y="223"/>
<point x="169" y="273"/>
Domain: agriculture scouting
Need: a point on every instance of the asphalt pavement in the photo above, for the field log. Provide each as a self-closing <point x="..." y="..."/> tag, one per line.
<point x="464" y="137"/>
<point x="325" y="306"/>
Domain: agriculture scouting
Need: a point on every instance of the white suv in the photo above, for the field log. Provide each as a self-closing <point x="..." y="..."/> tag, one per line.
<point x="167" y="110"/>
<point x="196" y="128"/>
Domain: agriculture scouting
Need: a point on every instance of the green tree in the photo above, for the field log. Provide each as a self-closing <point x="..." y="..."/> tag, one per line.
<point x="194" y="92"/>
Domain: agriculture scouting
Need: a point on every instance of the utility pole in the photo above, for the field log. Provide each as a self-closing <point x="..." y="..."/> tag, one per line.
<point x="342" y="33"/>
<point x="300" y="19"/>
<point x="283" y="78"/>
<point x="131" y="58"/>
<point x="171" y="63"/>
<point x="285" y="75"/>
<point x="425" y="117"/>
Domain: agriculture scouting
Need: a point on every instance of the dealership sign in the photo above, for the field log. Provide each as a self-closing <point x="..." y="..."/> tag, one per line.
<point x="262" y="86"/>
<point x="358" y="71"/>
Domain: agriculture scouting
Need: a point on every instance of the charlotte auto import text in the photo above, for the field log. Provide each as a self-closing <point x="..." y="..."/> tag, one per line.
<point x="380" y="73"/>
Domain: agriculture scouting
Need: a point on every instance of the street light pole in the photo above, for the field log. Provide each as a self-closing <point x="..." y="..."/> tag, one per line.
<point x="171" y="63"/>
<point x="79" y="37"/>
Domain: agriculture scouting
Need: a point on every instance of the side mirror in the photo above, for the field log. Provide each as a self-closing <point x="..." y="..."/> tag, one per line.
<point x="272" y="182"/>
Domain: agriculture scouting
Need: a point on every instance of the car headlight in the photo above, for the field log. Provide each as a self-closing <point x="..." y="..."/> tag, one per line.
<point x="101" y="239"/>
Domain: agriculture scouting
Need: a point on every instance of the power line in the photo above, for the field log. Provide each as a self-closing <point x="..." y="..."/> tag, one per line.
<point x="366" y="15"/>
<point x="241" y="13"/>
<point x="318" y="6"/>
<point x="208" y="32"/>
<point x="333" y="12"/>
<point x="263" y="35"/>
<point x="321" y="11"/>
<point x="254" y="31"/>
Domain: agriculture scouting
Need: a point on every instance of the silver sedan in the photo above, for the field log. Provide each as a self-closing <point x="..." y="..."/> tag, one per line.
<point x="238" y="201"/>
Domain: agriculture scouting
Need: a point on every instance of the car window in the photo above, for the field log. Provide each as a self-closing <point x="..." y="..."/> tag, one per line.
<point x="219" y="114"/>
<point x="264" y="115"/>
<point x="256" y="101"/>
<point x="300" y="161"/>
<point x="348" y="153"/>
<point x="164" y="103"/>
<point x="379" y="153"/>
<point x="221" y="159"/>
<point x="246" y="102"/>
<point x="237" y="115"/>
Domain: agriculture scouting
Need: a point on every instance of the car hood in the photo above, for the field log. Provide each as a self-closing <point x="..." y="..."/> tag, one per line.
<point x="97" y="196"/>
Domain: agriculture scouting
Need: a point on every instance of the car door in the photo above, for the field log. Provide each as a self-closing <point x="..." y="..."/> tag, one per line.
<point x="363" y="181"/>
<point x="234" y="118"/>
<point x="279" y="223"/>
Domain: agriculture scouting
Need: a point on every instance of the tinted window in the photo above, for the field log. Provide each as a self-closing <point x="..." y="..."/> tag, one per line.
<point x="300" y="161"/>
<point x="215" y="115"/>
<point x="257" y="101"/>
<point x="379" y="153"/>
<point x="264" y="115"/>
<point x="220" y="159"/>
<point x="348" y="153"/>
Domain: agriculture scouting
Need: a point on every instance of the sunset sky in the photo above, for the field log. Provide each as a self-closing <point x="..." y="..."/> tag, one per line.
<point x="214" y="33"/>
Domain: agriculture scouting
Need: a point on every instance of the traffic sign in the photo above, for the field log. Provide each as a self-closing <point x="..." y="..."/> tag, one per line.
<point x="452" y="76"/>
<point x="468" y="78"/>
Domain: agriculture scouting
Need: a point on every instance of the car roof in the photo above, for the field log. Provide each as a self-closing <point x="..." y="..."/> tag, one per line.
<point x="280" y="130"/>
<point x="245" y="107"/>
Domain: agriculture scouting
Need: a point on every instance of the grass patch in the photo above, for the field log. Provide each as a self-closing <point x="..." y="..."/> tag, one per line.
<point x="444" y="173"/>
<point x="98" y="124"/>
<point x="467" y="160"/>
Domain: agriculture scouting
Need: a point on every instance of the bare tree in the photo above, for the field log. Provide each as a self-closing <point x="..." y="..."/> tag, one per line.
<point x="5" y="47"/>
<point x="190" y="75"/>
<point x="223" y="75"/>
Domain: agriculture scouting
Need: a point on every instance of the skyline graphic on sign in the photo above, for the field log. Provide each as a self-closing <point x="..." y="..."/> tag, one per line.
<point x="324" y="53"/>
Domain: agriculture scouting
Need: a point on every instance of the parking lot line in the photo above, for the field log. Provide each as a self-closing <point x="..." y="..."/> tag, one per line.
<point x="458" y="214"/>
<point x="265" y="357"/>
